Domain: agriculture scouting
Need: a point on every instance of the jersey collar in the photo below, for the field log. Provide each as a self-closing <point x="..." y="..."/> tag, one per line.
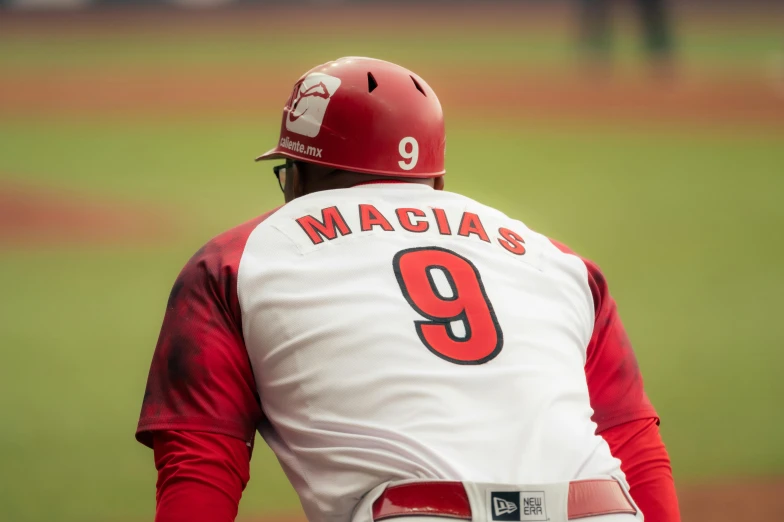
<point x="390" y="182"/>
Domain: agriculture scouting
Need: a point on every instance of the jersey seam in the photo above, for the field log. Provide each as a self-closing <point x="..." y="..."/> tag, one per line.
<point x="585" y="285"/>
<point x="232" y="429"/>
<point x="616" y="420"/>
<point x="289" y="239"/>
<point x="270" y="223"/>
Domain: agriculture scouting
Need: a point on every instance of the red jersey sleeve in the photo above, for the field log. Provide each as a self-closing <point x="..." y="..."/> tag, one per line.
<point x="201" y="476"/>
<point x="200" y="378"/>
<point x="615" y="383"/>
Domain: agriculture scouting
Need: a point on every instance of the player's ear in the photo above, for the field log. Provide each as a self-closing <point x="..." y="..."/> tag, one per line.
<point x="438" y="184"/>
<point x="295" y="186"/>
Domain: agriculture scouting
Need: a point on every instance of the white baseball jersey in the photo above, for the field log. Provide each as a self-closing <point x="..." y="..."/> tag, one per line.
<point x="391" y="331"/>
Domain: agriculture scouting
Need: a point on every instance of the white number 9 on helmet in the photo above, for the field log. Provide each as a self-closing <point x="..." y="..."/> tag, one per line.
<point x="409" y="150"/>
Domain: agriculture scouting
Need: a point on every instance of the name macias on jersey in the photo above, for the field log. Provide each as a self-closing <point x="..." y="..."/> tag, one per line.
<point x="331" y="224"/>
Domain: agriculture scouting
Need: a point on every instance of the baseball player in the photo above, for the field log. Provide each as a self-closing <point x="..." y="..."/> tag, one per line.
<point x="405" y="351"/>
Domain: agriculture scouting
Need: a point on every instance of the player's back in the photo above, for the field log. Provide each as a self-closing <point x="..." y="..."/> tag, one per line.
<point x="400" y="332"/>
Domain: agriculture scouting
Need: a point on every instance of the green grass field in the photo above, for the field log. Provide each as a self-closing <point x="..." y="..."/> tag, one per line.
<point x="686" y="222"/>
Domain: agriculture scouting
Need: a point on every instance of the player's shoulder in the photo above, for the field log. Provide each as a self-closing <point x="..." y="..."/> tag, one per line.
<point x="220" y="256"/>
<point x="592" y="268"/>
<point x="596" y="279"/>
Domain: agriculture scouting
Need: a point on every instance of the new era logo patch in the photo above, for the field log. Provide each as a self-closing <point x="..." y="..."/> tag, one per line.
<point x="520" y="506"/>
<point x="532" y="506"/>
<point x="504" y="505"/>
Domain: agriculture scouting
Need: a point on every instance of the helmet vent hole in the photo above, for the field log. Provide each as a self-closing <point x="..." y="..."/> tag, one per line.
<point x="419" y="87"/>
<point x="372" y="83"/>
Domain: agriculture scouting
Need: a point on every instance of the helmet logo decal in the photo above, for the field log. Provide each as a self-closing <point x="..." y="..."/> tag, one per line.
<point x="319" y="90"/>
<point x="309" y="103"/>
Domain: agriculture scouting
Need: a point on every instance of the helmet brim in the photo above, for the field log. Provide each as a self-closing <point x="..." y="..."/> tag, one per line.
<point x="277" y="153"/>
<point x="271" y="154"/>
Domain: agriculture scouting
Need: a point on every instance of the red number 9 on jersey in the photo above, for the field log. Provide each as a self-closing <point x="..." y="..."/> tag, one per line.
<point x="459" y="300"/>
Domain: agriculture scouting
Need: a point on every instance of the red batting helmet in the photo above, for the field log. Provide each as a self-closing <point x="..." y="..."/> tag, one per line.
<point x="364" y="115"/>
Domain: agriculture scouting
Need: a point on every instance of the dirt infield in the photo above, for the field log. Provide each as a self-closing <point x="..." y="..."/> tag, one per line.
<point x="555" y="96"/>
<point x="34" y="217"/>
<point x="676" y="95"/>
<point x="730" y="501"/>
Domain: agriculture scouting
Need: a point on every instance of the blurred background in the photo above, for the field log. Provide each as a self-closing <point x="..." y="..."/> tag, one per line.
<point x="647" y="135"/>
